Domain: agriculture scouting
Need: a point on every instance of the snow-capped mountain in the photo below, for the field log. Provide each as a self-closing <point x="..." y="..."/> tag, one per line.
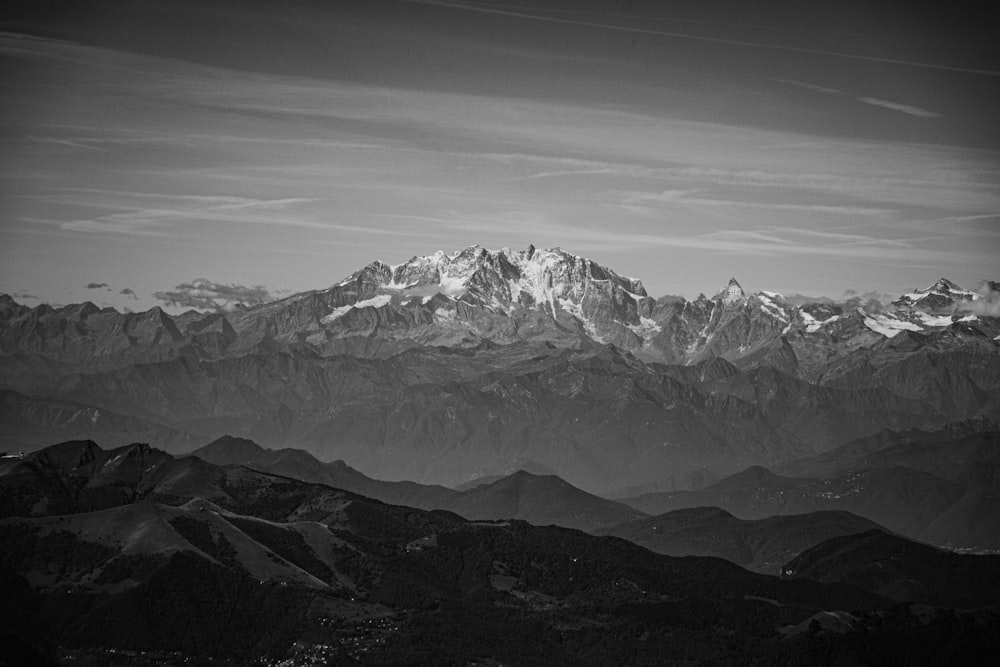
<point x="502" y="280"/>
<point x="731" y="293"/>
<point x="474" y="296"/>
<point x="943" y="296"/>
<point x="563" y="295"/>
<point x="570" y="290"/>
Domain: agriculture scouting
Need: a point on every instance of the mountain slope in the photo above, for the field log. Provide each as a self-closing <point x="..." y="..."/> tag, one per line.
<point x="300" y="465"/>
<point x="32" y="422"/>
<point x="390" y="423"/>
<point x="908" y="447"/>
<point x="971" y="460"/>
<point x="269" y="563"/>
<point x="541" y="500"/>
<point x="763" y="545"/>
<point x="901" y="570"/>
<point x="904" y="500"/>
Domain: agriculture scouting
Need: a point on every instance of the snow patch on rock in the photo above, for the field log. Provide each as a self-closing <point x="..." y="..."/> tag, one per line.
<point x="934" y="321"/>
<point x="646" y="328"/>
<point x="812" y="324"/>
<point x="376" y="301"/>
<point x="887" y="325"/>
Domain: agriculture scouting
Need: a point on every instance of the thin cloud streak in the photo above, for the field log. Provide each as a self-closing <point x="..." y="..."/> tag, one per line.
<point x="154" y="221"/>
<point x="679" y="197"/>
<point x="902" y="108"/>
<point x="874" y="101"/>
<point x="850" y="247"/>
<point x="810" y="86"/>
<point x="713" y="40"/>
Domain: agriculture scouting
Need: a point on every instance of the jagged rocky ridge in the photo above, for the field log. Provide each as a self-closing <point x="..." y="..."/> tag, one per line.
<point x="453" y="366"/>
<point x="474" y="296"/>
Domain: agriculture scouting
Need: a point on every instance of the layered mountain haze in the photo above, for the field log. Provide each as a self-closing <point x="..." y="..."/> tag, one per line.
<point x="538" y="499"/>
<point x="456" y="366"/>
<point x="940" y="487"/>
<point x="123" y="541"/>
<point x="130" y="549"/>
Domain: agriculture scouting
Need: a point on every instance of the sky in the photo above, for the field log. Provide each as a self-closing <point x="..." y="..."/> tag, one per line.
<point x="194" y="153"/>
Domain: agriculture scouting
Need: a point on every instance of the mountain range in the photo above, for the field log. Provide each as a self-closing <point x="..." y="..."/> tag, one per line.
<point x="458" y="366"/>
<point x="133" y="554"/>
<point x="935" y="487"/>
<point x="538" y="499"/>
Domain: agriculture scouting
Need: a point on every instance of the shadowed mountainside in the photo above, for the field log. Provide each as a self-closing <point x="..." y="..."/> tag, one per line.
<point x="938" y="487"/>
<point x="763" y="545"/>
<point x="221" y="561"/>
<point x="901" y="570"/>
<point x="538" y="499"/>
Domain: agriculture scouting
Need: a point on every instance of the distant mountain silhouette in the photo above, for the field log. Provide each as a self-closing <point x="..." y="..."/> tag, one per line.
<point x="962" y="454"/>
<point x="903" y="500"/>
<point x="538" y="499"/>
<point x="541" y="500"/>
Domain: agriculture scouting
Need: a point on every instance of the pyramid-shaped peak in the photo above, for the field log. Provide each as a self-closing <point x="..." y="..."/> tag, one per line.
<point x="941" y="297"/>
<point x="731" y="293"/>
<point x="943" y="285"/>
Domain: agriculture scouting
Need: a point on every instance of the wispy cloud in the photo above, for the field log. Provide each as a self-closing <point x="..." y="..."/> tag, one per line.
<point x="682" y="198"/>
<point x="807" y="241"/>
<point x="204" y="294"/>
<point x="154" y="214"/>
<point x="714" y="40"/>
<point x="810" y="86"/>
<point x="65" y="142"/>
<point x="968" y="218"/>
<point x="771" y="242"/>
<point x="874" y="101"/>
<point x="902" y="108"/>
<point x="903" y="184"/>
